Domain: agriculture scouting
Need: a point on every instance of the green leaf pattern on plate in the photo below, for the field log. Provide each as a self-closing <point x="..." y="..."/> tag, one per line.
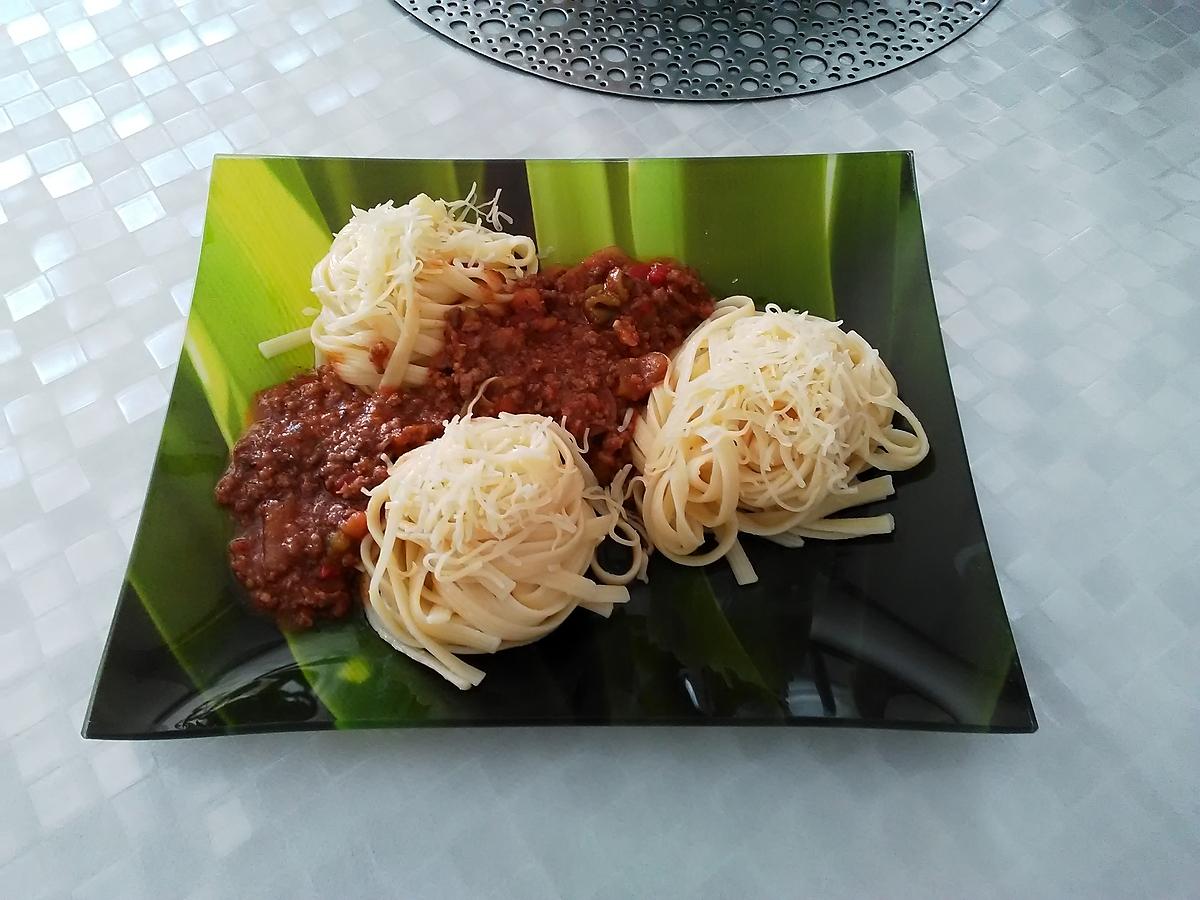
<point x="270" y="220"/>
<point x="821" y="233"/>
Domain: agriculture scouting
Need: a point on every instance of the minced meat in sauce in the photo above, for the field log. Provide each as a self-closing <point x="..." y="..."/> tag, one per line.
<point x="581" y="345"/>
<point x="295" y="487"/>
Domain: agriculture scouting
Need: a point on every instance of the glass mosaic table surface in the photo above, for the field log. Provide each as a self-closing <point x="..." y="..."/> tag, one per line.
<point x="1057" y="158"/>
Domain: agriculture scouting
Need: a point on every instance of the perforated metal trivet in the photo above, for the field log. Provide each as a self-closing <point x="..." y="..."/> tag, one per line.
<point x="702" y="49"/>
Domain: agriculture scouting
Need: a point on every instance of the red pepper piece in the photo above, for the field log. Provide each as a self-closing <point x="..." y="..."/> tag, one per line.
<point x="355" y="527"/>
<point x="658" y="273"/>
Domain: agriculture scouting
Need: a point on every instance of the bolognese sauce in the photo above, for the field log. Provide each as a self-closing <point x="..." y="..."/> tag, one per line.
<point x="295" y="487"/>
<point x="582" y="345"/>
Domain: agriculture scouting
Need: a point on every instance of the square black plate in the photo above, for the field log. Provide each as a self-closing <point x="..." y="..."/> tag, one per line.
<point x="902" y="631"/>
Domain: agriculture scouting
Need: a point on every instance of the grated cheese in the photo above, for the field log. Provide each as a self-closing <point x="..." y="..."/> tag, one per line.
<point x="763" y="425"/>
<point x="392" y="273"/>
<point x="481" y="539"/>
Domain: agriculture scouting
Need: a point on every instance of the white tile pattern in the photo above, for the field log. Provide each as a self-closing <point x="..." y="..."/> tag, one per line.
<point x="1059" y="156"/>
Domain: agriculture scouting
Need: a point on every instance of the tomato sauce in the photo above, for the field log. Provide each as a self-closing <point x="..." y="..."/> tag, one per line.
<point x="580" y="345"/>
<point x="583" y="345"/>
